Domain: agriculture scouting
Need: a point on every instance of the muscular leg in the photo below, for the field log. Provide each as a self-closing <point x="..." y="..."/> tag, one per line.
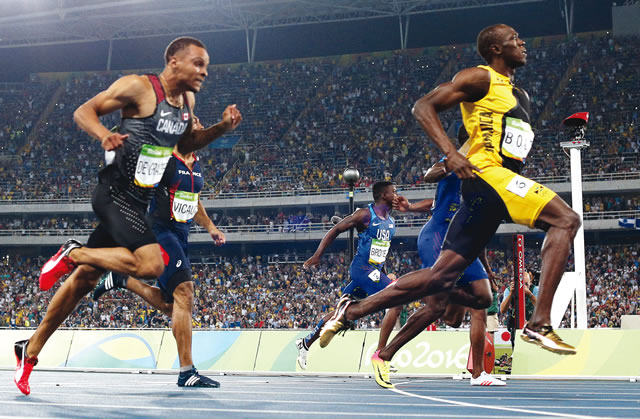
<point x="454" y="314"/>
<point x="413" y="286"/>
<point x="477" y="339"/>
<point x="151" y="295"/>
<point x="480" y="292"/>
<point x="434" y="308"/>
<point x="476" y="294"/>
<point x="145" y="262"/>
<point x="181" y="321"/>
<point x="562" y="223"/>
<point x="77" y="285"/>
<point x="389" y="320"/>
<point x="453" y="317"/>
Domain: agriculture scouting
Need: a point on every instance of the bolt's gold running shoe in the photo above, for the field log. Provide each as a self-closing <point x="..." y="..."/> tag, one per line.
<point x="338" y="323"/>
<point x="547" y="339"/>
<point x="381" y="371"/>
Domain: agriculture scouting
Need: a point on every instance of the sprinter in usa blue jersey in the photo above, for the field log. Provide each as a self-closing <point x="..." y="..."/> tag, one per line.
<point x="472" y="283"/>
<point x="367" y="272"/>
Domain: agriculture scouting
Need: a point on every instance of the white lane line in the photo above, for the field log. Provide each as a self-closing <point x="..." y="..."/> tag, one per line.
<point x="366" y="391"/>
<point x="214" y="393"/>
<point x="289" y="382"/>
<point x="29" y="417"/>
<point x="480" y="406"/>
<point x="303" y="413"/>
<point x="214" y="397"/>
<point x="508" y="390"/>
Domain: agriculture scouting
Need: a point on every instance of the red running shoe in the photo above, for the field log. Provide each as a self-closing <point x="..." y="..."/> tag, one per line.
<point x="59" y="265"/>
<point x="24" y="367"/>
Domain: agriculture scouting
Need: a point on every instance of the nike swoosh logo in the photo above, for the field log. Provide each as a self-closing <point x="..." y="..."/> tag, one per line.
<point x="51" y="264"/>
<point x="162" y="113"/>
<point x="374" y="224"/>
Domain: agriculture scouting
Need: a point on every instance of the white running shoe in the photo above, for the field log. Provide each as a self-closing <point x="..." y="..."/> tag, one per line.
<point x="302" y="354"/>
<point x="485" y="379"/>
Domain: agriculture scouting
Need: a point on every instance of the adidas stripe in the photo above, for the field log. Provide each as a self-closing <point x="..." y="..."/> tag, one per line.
<point x="192" y="380"/>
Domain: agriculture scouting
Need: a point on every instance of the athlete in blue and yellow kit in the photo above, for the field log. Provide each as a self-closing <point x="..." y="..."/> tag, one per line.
<point x="495" y="113"/>
<point x="367" y="271"/>
<point x="174" y="208"/>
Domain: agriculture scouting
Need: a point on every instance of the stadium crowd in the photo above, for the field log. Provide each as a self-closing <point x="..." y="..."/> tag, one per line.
<point x="286" y="219"/>
<point x="250" y="292"/>
<point x="305" y="120"/>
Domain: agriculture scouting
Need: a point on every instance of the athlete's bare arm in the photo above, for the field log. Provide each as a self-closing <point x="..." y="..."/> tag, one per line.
<point x="359" y="220"/>
<point x="202" y="218"/>
<point x="436" y="173"/>
<point x="132" y="94"/>
<point x="402" y="204"/>
<point x="487" y="267"/>
<point x="198" y="139"/>
<point x="469" y="85"/>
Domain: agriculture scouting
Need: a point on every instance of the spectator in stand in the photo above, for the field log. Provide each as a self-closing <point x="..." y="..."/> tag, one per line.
<point x="250" y="292"/>
<point x="368" y="99"/>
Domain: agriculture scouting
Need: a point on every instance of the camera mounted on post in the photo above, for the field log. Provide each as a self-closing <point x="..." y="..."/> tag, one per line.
<point x="578" y="122"/>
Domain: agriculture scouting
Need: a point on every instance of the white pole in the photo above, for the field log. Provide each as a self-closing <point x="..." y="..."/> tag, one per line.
<point x="572" y="322"/>
<point x="578" y="242"/>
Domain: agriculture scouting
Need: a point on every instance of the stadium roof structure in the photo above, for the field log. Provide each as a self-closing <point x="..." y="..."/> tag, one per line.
<point x="47" y="22"/>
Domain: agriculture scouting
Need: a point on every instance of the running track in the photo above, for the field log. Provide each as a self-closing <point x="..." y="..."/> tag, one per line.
<point x="90" y="395"/>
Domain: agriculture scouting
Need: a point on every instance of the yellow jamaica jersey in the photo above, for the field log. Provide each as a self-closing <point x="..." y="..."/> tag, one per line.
<point x="498" y="125"/>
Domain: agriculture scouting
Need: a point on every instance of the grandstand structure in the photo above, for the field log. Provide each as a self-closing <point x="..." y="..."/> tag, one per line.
<point x="321" y="106"/>
<point x="305" y="121"/>
<point x="74" y="21"/>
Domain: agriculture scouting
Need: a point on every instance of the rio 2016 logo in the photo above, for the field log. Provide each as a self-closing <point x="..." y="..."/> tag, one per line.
<point x="423" y="357"/>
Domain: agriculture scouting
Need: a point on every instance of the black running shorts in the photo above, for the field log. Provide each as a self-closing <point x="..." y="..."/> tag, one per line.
<point x="122" y="220"/>
<point x="480" y="214"/>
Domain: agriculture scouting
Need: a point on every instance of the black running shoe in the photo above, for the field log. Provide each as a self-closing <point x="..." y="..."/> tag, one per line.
<point x="108" y="282"/>
<point x="194" y="379"/>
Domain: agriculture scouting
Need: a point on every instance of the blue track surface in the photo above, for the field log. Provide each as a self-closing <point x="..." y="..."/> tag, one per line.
<point x="76" y="394"/>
